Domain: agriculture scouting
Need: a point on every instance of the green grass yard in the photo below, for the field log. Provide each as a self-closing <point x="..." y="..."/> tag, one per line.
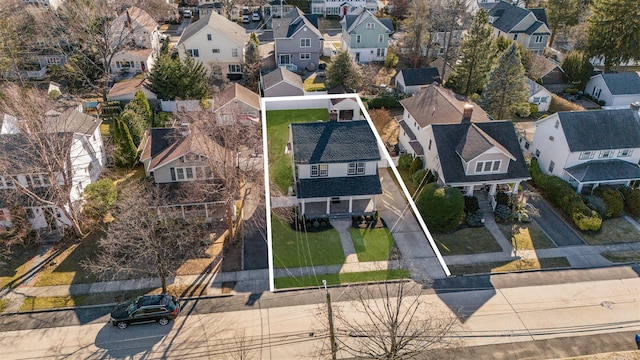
<point x="278" y="134"/>
<point x="372" y="244"/>
<point x="344" y="278"/>
<point x="613" y="231"/>
<point x="298" y="249"/>
<point x="467" y="241"/>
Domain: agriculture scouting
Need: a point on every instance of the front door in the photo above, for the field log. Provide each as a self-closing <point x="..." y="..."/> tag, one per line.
<point x="357" y="57"/>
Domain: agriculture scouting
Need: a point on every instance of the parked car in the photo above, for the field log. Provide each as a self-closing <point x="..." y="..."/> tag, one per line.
<point x="246" y="19"/>
<point x="146" y="308"/>
<point x="255" y="16"/>
<point x="187" y="13"/>
<point x="322" y="70"/>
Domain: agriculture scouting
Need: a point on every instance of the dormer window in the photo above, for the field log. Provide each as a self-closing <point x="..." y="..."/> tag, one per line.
<point x="7" y="182"/>
<point x="625" y="152"/>
<point x="356" y="168"/>
<point x="586" y="155"/>
<point x="488" y="166"/>
<point x="606" y="154"/>
<point x="319" y="170"/>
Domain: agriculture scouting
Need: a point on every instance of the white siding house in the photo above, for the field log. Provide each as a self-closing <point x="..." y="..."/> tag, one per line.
<point x="539" y="95"/>
<point x="617" y="90"/>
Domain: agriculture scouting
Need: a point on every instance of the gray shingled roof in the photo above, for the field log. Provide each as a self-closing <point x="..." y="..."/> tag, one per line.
<point x="509" y="15"/>
<point x="605" y="170"/>
<point x="475" y="142"/>
<point x="360" y="15"/>
<point x="279" y="75"/>
<point x="333" y="142"/>
<point x="71" y="120"/>
<point x="448" y="136"/>
<point x="540" y="14"/>
<point x="338" y="186"/>
<point x="22" y="155"/>
<point x="622" y="83"/>
<point x="218" y="22"/>
<point x="534" y="87"/>
<point x="422" y="76"/>
<point x="288" y="25"/>
<point x="601" y="129"/>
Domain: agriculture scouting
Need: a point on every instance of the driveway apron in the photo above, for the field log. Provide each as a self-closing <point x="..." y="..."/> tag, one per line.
<point x="551" y="222"/>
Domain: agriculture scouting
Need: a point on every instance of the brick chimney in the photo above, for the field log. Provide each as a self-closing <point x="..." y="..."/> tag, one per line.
<point x="466" y="113"/>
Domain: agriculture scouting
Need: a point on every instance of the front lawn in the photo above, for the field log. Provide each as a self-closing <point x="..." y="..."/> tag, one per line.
<point x="467" y="241"/>
<point x="622" y="256"/>
<point x="613" y="231"/>
<point x="66" y="268"/>
<point x="278" y="135"/>
<point x="372" y="244"/>
<point x="298" y="249"/>
<point x="507" y="266"/>
<point x="16" y="264"/>
<point x="343" y="278"/>
<point x="527" y="236"/>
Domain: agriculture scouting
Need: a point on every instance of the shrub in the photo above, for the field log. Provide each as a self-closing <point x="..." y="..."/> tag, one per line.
<point x="503" y="212"/>
<point x="571" y="91"/>
<point x="418" y="177"/>
<point x="503" y="198"/>
<point x="602" y="102"/>
<point x="474" y="219"/>
<point x="534" y="110"/>
<point x="442" y="208"/>
<point x="391" y="61"/>
<point x="471" y="204"/>
<point x="100" y="198"/>
<point x="404" y="162"/>
<point x="595" y="203"/>
<point x="632" y="202"/>
<point x="385" y="100"/>
<point x="613" y="200"/>
<point x="416" y="165"/>
<point x="587" y="219"/>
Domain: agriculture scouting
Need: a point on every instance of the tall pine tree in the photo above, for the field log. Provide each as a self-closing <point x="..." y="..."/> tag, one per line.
<point x="613" y="31"/>
<point x="343" y="71"/>
<point x="252" y="63"/>
<point x="475" y="57"/>
<point x="562" y="14"/>
<point x="172" y="78"/>
<point x="125" y="151"/>
<point x="506" y="92"/>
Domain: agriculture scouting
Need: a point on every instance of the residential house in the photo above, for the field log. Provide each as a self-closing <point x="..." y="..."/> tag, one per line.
<point x="125" y="90"/>
<point x="365" y="36"/>
<point x="590" y="148"/>
<point x="342" y="8"/>
<point x="298" y="42"/>
<point x="237" y="103"/>
<point x="432" y="105"/>
<point x="548" y="71"/>
<point x="65" y="132"/>
<point x="139" y="35"/>
<point x="281" y="82"/>
<point x="346" y="108"/>
<point x="539" y="95"/>
<point x="616" y="89"/>
<point x="216" y="42"/>
<point x="335" y="168"/>
<point x="520" y="24"/>
<point x="476" y="156"/>
<point x="409" y="81"/>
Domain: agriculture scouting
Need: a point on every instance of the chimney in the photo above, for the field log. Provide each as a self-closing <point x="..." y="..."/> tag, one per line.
<point x="635" y="106"/>
<point x="333" y="115"/>
<point x="466" y="113"/>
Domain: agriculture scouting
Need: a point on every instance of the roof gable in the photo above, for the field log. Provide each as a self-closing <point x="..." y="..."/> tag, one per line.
<point x="600" y="129"/>
<point x="535" y="88"/>
<point x="219" y="24"/>
<point x="333" y="142"/>
<point x="238" y="92"/>
<point x="289" y="25"/>
<point x="279" y="75"/>
<point x="475" y="142"/>
<point x="360" y="16"/>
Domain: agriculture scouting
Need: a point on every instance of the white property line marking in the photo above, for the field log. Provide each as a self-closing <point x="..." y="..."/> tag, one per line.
<point x="263" y="102"/>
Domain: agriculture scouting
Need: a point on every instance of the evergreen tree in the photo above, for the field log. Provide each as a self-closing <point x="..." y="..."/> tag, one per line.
<point x="343" y="71"/>
<point x="562" y="14"/>
<point x="140" y="105"/>
<point x="195" y="80"/>
<point x="136" y="125"/>
<point x="613" y="31"/>
<point x="164" y="77"/>
<point x="506" y="92"/>
<point x="577" y="67"/>
<point x="252" y="63"/>
<point x="125" y="152"/>
<point x="173" y="79"/>
<point x="475" y="57"/>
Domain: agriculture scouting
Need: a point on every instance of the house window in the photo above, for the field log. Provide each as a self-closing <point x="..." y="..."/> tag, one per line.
<point x="30" y="214"/>
<point x="358" y="39"/>
<point x="537" y="152"/>
<point x="543" y="99"/>
<point x="233" y="68"/>
<point x="380" y="52"/>
<point x="314" y="170"/>
<point x="370" y="26"/>
<point x="538" y="39"/>
<point x="536" y="100"/>
<point x="551" y="166"/>
<point x="380" y="38"/>
<point x="215" y="51"/>
<point x="305" y="42"/>
<point x="180" y="173"/>
<point x="189" y="172"/>
<point x="39" y="180"/>
<point x="606" y="154"/>
<point x="585" y="155"/>
<point x="625" y="152"/>
<point x="429" y="144"/>
<point x="360" y="168"/>
<point x="234" y="52"/>
<point x="324" y="169"/>
<point x="208" y="37"/>
<point x="515" y="36"/>
<point x="305" y="56"/>
<point x="193" y="52"/>
<point x="488" y="166"/>
<point x="557" y="124"/>
<point x="53" y="60"/>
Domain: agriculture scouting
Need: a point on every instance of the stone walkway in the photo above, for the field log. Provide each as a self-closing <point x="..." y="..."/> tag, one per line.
<point x="343" y="226"/>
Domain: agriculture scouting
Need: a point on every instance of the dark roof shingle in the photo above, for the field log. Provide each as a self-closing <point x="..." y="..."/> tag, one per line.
<point x="423" y="76"/>
<point x="622" y="83"/>
<point x="601" y="129"/>
<point x="338" y="186"/>
<point x="605" y="170"/>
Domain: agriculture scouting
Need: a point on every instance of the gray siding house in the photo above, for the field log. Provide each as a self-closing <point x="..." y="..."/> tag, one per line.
<point x="526" y="26"/>
<point x="298" y="42"/>
<point x="365" y="36"/>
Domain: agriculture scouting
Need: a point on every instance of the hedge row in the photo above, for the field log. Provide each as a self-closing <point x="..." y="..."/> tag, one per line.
<point x="564" y="195"/>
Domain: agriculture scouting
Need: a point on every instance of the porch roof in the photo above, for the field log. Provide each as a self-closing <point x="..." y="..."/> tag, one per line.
<point x="338" y="186"/>
<point x="604" y="170"/>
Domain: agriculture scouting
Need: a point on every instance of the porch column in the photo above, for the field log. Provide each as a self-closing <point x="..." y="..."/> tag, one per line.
<point x="579" y="188"/>
<point x="328" y="206"/>
<point x="350" y="204"/>
<point x="302" y="207"/>
<point x="182" y="208"/>
<point x="470" y="190"/>
<point x="514" y="190"/>
<point x="375" y="202"/>
<point x="492" y="191"/>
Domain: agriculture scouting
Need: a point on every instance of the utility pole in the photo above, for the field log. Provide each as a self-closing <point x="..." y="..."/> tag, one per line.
<point x="332" y="335"/>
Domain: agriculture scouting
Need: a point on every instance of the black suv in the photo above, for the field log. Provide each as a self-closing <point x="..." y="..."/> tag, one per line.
<point x="147" y="308"/>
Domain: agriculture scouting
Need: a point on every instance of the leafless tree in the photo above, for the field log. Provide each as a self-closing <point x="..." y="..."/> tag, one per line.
<point x="448" y="19"/>
<point x="392" y="321"/>
<point x="143" y="241"/>
<point x="242" y="349"/>
<point x="416" y="29"/>
<point x="43" y="146"/>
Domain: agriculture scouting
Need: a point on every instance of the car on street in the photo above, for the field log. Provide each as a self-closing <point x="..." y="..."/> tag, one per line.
<point x="147" y="308"/>
<point x="187" y="13"/>
<point x="255" y="16"/>
<point x="246" y="19"/>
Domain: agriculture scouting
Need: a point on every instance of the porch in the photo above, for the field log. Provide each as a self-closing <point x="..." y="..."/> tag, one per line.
<point x="337" y="206"/>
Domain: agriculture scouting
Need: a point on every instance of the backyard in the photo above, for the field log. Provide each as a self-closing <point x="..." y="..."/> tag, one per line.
<point x="278" y="134"/>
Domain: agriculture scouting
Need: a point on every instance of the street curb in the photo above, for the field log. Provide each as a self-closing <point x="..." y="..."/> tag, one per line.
<point x="296" y="289"/>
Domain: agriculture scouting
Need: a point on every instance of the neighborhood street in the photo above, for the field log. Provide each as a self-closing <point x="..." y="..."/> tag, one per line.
<point x="539" y="315"/>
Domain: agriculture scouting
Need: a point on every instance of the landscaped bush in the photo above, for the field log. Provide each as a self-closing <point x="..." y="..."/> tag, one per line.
<point x="632" y="201"/>
<point x="418" y="176"/>
<point x="602" y="102"/>
<point x="442" y="208"/>
<point x="503" y="198"/>
<point x="571" y="91"/>
<point x="503" y="213"/>
<point x="613" y="200"/>
<point x="474" y="219"/>
<point x="471" y="204"/>
<point x="386" y="100"/>
<point x="533" y="110"/>
<point x="563" y="194"/>
<point x="416" y="165"/>
<point x="404" y="162"/>
<point x="595" y="203"/>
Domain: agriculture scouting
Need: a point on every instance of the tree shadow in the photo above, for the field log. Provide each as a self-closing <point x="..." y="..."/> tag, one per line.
<point x="134" y="341"/>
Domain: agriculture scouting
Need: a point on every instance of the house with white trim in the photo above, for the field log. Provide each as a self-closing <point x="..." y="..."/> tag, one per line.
<point x="615" y="89"/>
<point x="539" y="95"/>
<point x="281" y="82"/>
<point x="297" y="40"/>
<point x="139" y="35"/>
<point x="526" y="26"/>
<point x="343" y="7"/>
<point x="364" y="36"/>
